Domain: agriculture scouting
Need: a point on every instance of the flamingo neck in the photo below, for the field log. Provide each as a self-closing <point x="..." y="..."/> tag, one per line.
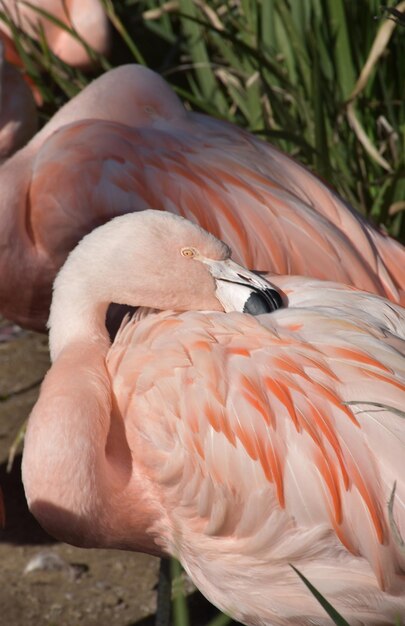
<point x="79" y="476"/>
<point x="70" y="324"/>
<point x="78" y="310"/>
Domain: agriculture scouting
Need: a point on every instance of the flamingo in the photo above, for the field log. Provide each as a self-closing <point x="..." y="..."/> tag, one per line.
<point x="127" y="143"/>
<point x="18" y="114"/>
<point x="87" y="18"/>
<point x="239" y="444"/>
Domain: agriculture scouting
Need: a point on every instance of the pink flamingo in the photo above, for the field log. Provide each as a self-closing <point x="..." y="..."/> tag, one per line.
<point x="126" y="143"/>
<point x="87" y="18"/>
<point x="18" y="114"/>
<point x="238" y="444"/>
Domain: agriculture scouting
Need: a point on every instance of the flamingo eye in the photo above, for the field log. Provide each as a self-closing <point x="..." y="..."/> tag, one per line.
<point x="188" y="252"/>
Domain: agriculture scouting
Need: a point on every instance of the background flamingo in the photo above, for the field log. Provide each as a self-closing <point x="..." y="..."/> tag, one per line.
<point x="87" y="18"/>
<point x="126" y="143"/>
<point x="18" y="114"/>
<point x="10" y="54"/>
<point x="238" y="444"/>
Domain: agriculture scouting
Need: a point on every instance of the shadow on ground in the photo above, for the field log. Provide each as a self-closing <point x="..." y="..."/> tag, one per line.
<point x="21" y="527"/>
<point x="201" y="612"/>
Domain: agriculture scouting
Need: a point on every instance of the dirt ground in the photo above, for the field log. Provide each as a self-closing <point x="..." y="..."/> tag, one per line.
<point x="43" y="582"/>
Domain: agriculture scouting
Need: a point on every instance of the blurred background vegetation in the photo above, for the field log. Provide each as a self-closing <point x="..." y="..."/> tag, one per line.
<point x="324" y="80"/>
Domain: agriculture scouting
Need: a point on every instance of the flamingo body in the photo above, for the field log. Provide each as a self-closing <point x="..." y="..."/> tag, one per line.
<point x="259" y="462"/>
<point x="101" y="156"/>
<point x="238" y="444"/>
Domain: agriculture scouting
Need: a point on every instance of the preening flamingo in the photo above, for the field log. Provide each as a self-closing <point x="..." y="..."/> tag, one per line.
<point x="87" y="17"/>
<point x="238" y="444"/>
<point x="18" y="114"/>
<point x="126" y="143"/>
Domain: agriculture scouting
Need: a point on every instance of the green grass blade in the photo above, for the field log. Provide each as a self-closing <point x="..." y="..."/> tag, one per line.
<point x="322" y="164"/>
<point x="194" y="33"/>
<point x="297" y="46"/>
<point x="126" y="37"/>
<point x="267" y="25"/>
<point x="343" y="57"/>
<point x="330" y="610"/>
<point x="179" y="603"/>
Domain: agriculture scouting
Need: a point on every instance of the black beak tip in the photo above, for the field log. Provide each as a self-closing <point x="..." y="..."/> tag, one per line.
<point x="265" y="301"/>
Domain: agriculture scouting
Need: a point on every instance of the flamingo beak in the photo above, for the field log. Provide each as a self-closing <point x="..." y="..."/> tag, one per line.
<point x="238" y="289"/>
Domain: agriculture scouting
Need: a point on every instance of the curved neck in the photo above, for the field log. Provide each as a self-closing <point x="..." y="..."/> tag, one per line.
<point x="78" y="310"/>
<point x="80" y="477"/>
<point x="70" y="324"/>
<point x="78" y="471"/>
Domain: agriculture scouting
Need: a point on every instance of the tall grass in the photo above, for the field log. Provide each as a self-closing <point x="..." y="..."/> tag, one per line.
<point x="289" y="71"/>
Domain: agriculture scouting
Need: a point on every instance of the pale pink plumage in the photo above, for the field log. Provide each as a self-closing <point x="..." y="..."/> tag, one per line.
<point x="87" y="17"/>
<point x="240" y="445"/>
<point x="126" y="143"/>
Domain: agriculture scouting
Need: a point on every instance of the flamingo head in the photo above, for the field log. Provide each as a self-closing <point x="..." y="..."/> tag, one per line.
<point x="151" y="259"/>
